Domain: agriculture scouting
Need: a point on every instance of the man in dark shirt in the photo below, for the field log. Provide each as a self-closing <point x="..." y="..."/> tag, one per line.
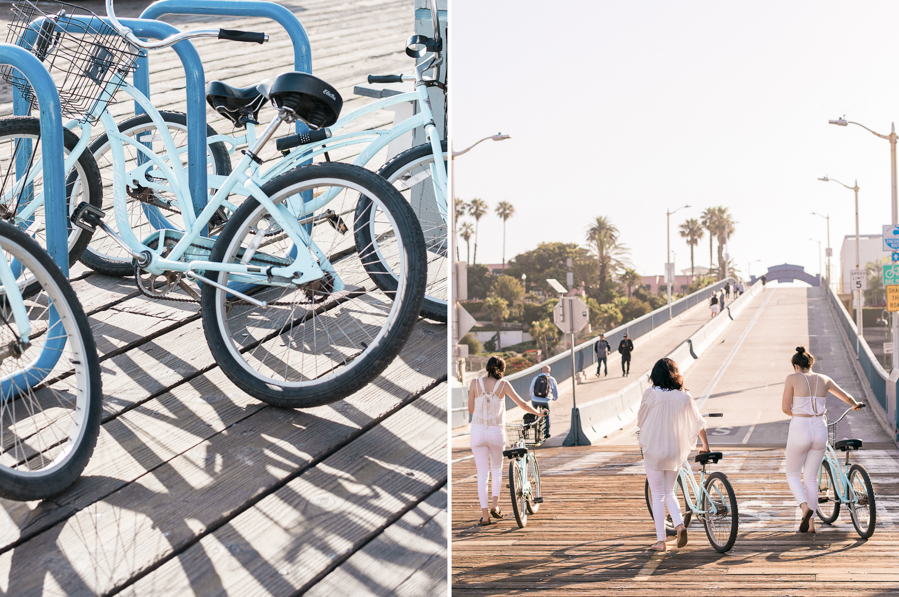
<point x="602" y="348"/>
<point x="626" y="347"/>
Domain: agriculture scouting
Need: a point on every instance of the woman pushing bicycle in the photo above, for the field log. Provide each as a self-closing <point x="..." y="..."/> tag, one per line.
<point x="807" y="440"/>
<point x="669" y="422"/>
<point x="487" y="405"/>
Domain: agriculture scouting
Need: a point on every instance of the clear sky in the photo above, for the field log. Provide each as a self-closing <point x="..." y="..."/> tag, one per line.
<point x="627" y="108"/>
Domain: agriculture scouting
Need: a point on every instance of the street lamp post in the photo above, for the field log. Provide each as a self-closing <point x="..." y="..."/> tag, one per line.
<point x="892" y="137"/>
<point x="858" y="310"/>
<point x="829" y="250"/>
<point x="451" y="198"/>
<point x="814" y="240"/>
<point x="667" y="266"/>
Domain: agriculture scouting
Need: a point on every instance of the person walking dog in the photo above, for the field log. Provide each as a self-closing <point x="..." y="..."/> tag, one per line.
<point x="487" y="405"/>
<point x="807" y="439"/>
<point x="602" y="348"/>
<point x="669" y="421"/>
<point x="625" y="347"/>
<point x="541" y="387"/>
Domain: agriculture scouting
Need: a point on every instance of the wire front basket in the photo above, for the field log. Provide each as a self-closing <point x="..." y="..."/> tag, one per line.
<point x="832" y="434"/>
<point x="531" y="429"/>
<point x="87" y="57"/>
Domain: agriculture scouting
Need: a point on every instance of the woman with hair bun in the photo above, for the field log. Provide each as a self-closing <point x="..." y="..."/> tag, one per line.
<point x="669" y="422"/>
<point x="808" y="430"/>
<point x="488" y="415"/>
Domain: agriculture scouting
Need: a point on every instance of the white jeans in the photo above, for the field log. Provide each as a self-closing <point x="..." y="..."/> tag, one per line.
<point x="805" y="451"/>
<point x="661" y="487"/>
<point x="488" y="442"/>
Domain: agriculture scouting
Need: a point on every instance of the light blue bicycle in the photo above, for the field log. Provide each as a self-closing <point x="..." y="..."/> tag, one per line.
<point x="845" y="484"/>
<point x="524" y="474"/>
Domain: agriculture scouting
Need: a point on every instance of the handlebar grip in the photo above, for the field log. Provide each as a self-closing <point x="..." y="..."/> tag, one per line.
<point x="292" y="141"/>
<point x="247" y="36"/>
<point x="385" y="78"/>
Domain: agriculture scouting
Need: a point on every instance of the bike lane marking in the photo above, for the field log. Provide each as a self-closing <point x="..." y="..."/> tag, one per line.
<point x="650" y="566"/>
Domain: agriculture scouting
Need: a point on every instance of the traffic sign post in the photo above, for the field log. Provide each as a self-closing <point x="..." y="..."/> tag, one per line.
<point x="892" y="299"/>
<point x="890" y="275"/>
<point x="571" y="315"/>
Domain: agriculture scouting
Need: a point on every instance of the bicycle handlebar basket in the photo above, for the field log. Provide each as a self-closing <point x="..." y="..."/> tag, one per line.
<point x="80" y="50"/>
<point x="532" y="429"/>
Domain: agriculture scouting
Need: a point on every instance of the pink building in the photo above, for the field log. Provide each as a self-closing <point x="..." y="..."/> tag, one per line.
<point x="656" y="284"/>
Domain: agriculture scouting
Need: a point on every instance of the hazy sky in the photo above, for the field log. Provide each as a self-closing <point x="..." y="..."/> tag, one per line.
<point x="627" y="108"/>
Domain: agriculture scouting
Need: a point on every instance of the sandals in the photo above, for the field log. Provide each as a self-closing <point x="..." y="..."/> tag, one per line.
<point x="497" y="513"/>
<point x="682" y="537"/>
<point x="803" y="526"/>
<point x="481" y="523"/>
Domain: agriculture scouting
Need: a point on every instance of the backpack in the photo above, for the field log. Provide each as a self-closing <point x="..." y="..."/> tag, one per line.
<point x="541" y="386"/>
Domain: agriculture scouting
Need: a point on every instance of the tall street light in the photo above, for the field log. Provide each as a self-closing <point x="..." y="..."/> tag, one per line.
<point x="668" y="264"/>
<point x="829" y="250"/>
<point x="749" y="267"/>
<point x="815" y="240"/>
<point x="858" y="310"/>
<point x="892" y="137"/>
<point x="455" y="285"/>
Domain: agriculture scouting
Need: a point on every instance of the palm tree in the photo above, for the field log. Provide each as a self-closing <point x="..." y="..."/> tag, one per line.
<point x="692" y="231"/>
<point x="709" y="221"/>
<point x="603" y="235"/>
<point x="504" y="210"/>
<point x="466" y="231"/>
<point x="724" y="229"/>
<point x="630" y="278"/>
<point x="459" y="212"/>
<point x="539" y="332"/>
<point x="477" y="209"/>
<point x="498" y="309"/>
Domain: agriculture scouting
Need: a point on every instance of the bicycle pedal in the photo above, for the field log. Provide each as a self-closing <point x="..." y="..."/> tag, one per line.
<point x="336" y="222"/>
<point x="87" y="217"/>
<point x="538" y="500"/>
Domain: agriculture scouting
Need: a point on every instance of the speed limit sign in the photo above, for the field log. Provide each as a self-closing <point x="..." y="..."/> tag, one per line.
<point x="858" y="279"/>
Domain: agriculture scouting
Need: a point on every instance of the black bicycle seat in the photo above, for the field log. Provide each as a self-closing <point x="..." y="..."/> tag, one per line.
<point x="515" y="452"/>
<point x="234" y="102"/>
<point x="847" y="444"/>
<point x="706" y="457"/>
<point x="311" y="99"/>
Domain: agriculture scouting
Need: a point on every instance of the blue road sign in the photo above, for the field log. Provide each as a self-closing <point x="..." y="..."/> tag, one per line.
<point x="895" y="256"/>
<point x="890" y="238"/>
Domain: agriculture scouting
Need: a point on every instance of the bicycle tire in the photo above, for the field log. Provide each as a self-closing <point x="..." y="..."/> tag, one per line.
<point x="686" y="512"/>
<point x="324" y="378"/>
<point x="102" y="254"/>
<point x="534" y="478"/>
<point x="867" y="502"/>
<point x="85" y="170"/>
<point x="412" y="163"/>
<point x="47" y="469"/>
<point x="829" y="509"/>
<point x="516" y="490"/>
<point x="729" y="502"/>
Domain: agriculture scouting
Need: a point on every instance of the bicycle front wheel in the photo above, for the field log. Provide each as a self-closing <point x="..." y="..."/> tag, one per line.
<point x="314" y="343"/>
<point x="534" y="479"/>
<point x="720" y="527"/>
<point x="828" y="500"/>
<point x="680" y="495"/>
<point x="864" y="511"/>
<point x="410" y="173"/>
<point x="50" y="387"/>
<point x="516" y="491"/>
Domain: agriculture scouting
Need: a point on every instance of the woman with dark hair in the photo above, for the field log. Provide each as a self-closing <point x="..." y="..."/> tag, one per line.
<point x="488" y="415"/>
<point x="808" y="430"/>
<point x="669" y="422"/>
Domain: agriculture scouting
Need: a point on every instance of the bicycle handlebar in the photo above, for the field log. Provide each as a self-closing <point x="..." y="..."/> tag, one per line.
<point x="245" y="36"/>
<point x="848" y="410"/>
<point x="385" y="78"/>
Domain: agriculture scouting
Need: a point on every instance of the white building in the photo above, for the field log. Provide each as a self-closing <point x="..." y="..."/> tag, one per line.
<point x="871" y="249"/>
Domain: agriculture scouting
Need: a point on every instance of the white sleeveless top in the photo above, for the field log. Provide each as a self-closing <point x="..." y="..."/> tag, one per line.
<point x="489" y="407"/>
<point x="811" y="405"/>
<point x="669" y="422"/>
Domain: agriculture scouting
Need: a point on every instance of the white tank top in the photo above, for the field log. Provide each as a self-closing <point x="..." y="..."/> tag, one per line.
<point x="489" y="407"/>
<point x="812" y="405"/>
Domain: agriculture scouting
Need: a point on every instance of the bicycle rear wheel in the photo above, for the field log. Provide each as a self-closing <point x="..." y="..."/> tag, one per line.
<point x="864" y="511"/>
<point x="721" y="527"/>
<point x="516" y="490"/>
<point x="50" y="388"/>
<point x="534" y="479"/>
<point x="681" y="496"/>
<point x="828" y="500"/>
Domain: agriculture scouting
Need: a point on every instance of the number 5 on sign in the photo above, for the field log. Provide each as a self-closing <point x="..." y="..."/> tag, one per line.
<point x="858" y="279"/>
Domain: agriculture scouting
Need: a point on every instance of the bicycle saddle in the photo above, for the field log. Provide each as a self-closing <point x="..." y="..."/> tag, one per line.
<point x="847" y="444"/>
<point x="713" y="456"/>
<point x="235" y="103"/>
<point x="313" y="101"/>
<point x="515" y="452"/>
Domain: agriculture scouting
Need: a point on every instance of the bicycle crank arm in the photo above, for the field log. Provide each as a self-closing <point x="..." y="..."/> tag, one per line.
<point x="240" y="295"/>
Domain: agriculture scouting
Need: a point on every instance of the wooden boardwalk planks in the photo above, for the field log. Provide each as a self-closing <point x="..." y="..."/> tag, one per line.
<point x="185" y="460"/>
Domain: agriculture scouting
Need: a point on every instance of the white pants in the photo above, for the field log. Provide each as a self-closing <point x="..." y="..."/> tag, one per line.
<point x="805" y="451"/>
<point x="488" y="442"/>
<point x="661" y="487"/>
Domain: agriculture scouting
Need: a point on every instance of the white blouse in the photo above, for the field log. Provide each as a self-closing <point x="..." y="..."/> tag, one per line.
<point x="669" y="422"/>
<point x="489" y="407"/>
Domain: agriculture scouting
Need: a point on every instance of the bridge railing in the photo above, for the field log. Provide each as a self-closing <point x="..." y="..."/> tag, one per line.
<point x="584" y="356"/>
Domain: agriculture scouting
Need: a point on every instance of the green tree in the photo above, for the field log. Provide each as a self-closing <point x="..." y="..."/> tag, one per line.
<point x="509" y="289"/>
<point x="609" y="315"/>
<point x="602" y="235"/>
<point x="699" y="283"/>
<point x="633" y="309"/>
<point x="875" y="295"/>
<point x="724" y="229"/>
<point x="692" y="231"/>
<point x="466" y="231"/>
<point x="477" y="209"/>
<point x="630" y="278"/>
<point x="480" y="282"/>
<point x="497" y="309"/>
<point x="709" y="221"/>
<point x="548" y="260"/>
<point x="504" y="210"/>
<point x="545" y="333"/>
<point x="474" y="345"/>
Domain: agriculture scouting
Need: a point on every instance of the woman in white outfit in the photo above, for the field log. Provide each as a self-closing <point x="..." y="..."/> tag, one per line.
<point x="669" y="422"/>
<point x="487" y="405"/>
<point x="804" y="400"/>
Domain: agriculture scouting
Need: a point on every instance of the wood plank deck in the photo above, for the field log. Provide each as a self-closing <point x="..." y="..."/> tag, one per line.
<point x="197" y="488"/>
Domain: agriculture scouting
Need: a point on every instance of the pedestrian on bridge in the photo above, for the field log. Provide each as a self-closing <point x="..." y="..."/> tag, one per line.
<point x="721" y="300"/>
<point x="669" y="422"/>
<point x="487" y="405"/>
<point x="727" y="290"/>
<point x="807" y="439"/>
<point x="714" y="307"/>
<point x="625" y="347"/>
<point x="602" y="348"/>
<point x="541" y="387"/>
